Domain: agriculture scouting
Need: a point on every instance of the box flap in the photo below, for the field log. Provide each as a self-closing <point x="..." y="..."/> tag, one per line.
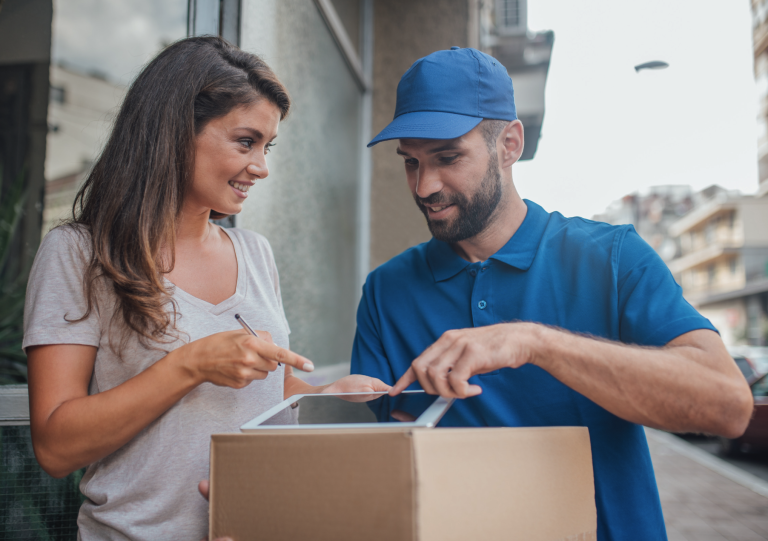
<point x="534" y="484"/>
<point x="327" y="480"/>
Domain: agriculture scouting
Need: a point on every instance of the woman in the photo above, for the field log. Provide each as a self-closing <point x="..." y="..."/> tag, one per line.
<point x="134" y="356"/>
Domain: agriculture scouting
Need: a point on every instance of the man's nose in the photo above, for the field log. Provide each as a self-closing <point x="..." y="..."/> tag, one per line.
<point x="428" y="182"/>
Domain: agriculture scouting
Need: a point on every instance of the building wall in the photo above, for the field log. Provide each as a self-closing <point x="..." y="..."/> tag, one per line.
<point x="729" y="318"/>
<point x="80" y="114"/>
<point x="306" y="207"/>
<point x="760" y="41"/>
<point x="404" y="31"/>
<point x="754" y="217"/>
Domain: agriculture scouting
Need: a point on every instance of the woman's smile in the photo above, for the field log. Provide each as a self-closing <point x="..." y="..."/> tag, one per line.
<point x="240" y="188"/>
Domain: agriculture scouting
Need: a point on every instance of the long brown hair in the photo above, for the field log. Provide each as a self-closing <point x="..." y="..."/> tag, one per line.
<point x="131" y="201"/>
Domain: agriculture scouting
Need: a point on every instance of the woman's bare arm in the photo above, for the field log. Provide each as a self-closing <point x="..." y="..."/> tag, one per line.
<point x="71" y="429"/>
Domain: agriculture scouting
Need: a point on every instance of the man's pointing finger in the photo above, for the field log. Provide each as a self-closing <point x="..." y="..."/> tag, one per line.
<point x="408" y="378"/>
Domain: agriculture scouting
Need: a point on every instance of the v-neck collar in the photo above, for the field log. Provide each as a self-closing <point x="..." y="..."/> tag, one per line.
<point x="226" y="304"/>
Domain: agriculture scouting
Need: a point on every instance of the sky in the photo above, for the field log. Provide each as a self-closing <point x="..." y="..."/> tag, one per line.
<point x="609" y="131"/>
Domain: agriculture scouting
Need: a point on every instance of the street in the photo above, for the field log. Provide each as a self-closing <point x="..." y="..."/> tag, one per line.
<point x="756" y="464"/>
<point x="705" y="498"/>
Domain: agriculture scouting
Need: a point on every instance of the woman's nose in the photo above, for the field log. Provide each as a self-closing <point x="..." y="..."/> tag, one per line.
<point x="258" y="169"/>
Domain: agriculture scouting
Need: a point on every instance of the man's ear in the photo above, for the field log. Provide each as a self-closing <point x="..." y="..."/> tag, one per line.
<point x="510" y="144"/>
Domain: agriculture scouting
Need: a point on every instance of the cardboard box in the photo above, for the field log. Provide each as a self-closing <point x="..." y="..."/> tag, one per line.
<point x="532" y="484"/>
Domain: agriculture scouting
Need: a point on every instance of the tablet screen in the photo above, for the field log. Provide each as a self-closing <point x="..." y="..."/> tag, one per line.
<point x="376" y="408"/>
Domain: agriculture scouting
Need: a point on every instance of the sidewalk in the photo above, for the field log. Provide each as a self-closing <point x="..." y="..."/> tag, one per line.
<point x="704" y="498"/>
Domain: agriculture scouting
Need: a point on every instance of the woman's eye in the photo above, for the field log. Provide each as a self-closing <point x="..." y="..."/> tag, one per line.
<point x="247" y="143"/>
<point x="267" y="147"/>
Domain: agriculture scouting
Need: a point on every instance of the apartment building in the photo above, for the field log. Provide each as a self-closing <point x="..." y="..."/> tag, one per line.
<point x="723" y="265"/>
<point x="652" y="212"/>
<point x="760" y="41"/>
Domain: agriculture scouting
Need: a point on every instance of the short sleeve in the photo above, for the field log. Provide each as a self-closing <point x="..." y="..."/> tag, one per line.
<point x="368" y="357"/>
<point x="652" y="309"/>
<point x="55" y="299"/>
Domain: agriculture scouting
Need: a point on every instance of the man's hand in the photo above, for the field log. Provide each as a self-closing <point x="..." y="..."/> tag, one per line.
<point x="446" y="366"/>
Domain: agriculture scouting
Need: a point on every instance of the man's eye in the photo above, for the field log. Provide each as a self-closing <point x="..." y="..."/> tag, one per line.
<point x="412" y="162"/>
<point x="449" y="159"/>
<point x="267" y="147"/>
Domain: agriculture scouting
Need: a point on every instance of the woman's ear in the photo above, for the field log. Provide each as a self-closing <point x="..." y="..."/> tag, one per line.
<point x="510" y="144"/>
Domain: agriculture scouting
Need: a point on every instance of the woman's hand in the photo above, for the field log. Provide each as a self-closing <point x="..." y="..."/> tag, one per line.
<point x="204" y="487"/>
<point x="235" y="358"/>
<point x="357" y="383"/>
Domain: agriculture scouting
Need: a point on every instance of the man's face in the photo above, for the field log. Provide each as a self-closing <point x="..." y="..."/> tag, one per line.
<point x="456" y="183"/>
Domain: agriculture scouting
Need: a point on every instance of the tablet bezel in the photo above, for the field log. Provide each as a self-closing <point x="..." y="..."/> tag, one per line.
<point x="428" y="419"/>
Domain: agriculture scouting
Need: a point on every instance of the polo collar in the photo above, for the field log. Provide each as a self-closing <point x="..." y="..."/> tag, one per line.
<point x="518" y="252"/>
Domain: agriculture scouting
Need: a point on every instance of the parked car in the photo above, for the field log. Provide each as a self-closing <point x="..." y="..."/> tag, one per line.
<point x="755" y="439"/>
<point x="757" y="356"/>
<point x="747" y="367"/>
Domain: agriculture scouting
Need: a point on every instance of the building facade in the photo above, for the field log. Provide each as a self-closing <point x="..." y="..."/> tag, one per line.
<point x="723" y="265"/>
<point x="652" y="213"/>
<point x="760" y="41"/>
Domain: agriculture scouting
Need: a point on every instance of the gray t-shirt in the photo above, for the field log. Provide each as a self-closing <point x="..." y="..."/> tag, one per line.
<point x="148" y="488"/>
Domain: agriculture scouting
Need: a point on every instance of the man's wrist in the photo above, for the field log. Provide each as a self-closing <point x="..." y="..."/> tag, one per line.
<point x="538" y="342"/>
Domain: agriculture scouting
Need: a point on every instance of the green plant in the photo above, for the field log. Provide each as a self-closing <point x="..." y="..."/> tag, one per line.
<point x="13" y="286"/>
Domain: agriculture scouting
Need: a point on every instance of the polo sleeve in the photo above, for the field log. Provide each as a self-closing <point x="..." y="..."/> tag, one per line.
<point x="652" y="309"/>
<point x="368" y="356"/>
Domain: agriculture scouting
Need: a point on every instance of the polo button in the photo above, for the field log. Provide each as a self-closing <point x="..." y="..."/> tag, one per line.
<point x="481" y="305"/>
<point x="473" y="272"/>
<point x="485" y="269"/>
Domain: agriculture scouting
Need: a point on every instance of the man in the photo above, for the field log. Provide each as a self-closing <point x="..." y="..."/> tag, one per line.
<point x="535" y="319"/>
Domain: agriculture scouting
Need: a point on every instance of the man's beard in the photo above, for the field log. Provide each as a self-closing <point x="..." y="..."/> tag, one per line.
<point x="473" y="216"/>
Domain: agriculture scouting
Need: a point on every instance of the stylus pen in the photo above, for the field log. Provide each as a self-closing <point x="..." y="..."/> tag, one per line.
<point x="248" y="328"/>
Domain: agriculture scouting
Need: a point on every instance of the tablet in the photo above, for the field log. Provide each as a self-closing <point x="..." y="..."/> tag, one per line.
<point x="353" y="410"/>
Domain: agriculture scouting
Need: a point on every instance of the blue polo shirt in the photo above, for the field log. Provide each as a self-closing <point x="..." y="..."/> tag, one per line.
<point x="584" y="276"/>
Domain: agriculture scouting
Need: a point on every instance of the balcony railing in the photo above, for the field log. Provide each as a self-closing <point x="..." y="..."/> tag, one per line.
<point x="33" y="505"/>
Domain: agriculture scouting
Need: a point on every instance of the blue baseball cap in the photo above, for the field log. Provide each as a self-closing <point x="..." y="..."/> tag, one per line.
<point x="448" y="93"/>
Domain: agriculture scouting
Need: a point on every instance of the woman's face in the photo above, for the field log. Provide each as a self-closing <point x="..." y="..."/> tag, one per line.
<point x="230" y="155"/>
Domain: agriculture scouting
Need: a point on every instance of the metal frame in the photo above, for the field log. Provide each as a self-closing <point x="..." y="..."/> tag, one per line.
<point x="428" y="419"/>
<point x="363" y="239"/>
<point x="345" y="44"/>
<point x="203" y="17"/>
<point x="14" y="405"/>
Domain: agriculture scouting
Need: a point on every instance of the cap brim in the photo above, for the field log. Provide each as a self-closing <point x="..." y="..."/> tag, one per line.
<point x="427" y="125"/>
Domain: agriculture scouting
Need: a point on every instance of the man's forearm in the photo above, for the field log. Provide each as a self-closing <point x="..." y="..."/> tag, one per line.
<point x="681" y="387"/>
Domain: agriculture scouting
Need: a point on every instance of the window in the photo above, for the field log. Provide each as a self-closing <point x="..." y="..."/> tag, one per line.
<point x="711" y="274"/>
<point x="511" y="16"/>
<point x="709" y="232"/>
<point x="58" y="94"/>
